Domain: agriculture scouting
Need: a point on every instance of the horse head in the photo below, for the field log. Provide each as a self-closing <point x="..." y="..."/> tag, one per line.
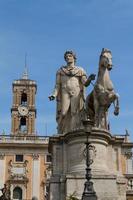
<point x="106" y="59"/>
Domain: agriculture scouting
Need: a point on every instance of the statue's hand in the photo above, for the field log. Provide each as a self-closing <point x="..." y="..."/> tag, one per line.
<point x="92" y="77"/>
<point x="51" y="98"/>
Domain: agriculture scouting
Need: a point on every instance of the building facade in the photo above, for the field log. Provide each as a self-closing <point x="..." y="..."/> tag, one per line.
<point x="24" y="158"/>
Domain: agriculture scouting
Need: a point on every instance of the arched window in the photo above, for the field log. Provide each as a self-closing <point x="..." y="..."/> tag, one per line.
<point x="17" y="193"/>
<point x="23" y="127"/>
<point x="24" y="99"/>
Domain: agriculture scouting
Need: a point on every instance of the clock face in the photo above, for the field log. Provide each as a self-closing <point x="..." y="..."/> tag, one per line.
<point x="23" y="110"/>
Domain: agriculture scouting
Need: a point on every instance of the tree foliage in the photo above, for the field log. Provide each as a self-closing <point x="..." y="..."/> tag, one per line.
<point x="72" y="197"/>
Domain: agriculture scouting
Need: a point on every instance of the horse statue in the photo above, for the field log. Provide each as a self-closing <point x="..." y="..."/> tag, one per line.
<point x="103" y="94"/>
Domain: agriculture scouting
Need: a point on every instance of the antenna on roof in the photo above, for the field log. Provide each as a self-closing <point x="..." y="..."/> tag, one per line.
<point x="127" y="133"/>
<point x="25" y="74"/>
<point x="46" y="128"/>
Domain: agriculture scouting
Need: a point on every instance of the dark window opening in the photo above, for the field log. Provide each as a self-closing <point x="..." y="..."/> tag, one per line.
<point x="17" y="193"/>
<point x="24" y="99"/>
<point x="19" y="158"/>
<point x="23" y="127"/>
<point x="48" y="158"/>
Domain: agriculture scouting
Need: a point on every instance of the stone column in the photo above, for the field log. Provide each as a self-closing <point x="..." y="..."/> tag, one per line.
<point x="36" y="176"/>
<point x="2" y="170"/>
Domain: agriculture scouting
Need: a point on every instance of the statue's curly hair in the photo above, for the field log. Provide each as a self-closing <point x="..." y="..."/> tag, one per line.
<point x="72" y="53"/>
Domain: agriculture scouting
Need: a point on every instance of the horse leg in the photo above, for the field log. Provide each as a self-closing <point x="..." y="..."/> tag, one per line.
<point x="89" y="106"/>
<point x="116" y="105"/>
<point x="100" y="114"/>
<point x="114" y="98"/>
<point x="102" y="118"/>
<point x="96" y="108"/>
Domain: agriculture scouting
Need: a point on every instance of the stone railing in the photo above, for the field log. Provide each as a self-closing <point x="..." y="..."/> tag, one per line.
<point x="24" y="138"/>
<point x="129" y="182"/>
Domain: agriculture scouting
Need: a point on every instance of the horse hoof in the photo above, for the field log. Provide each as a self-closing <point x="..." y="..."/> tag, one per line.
<point x="116" y="113"/>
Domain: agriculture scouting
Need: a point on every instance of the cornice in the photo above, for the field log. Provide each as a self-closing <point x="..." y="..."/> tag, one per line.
<point x="24" y="145"/>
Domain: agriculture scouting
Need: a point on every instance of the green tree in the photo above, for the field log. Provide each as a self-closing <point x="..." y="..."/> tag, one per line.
<point x="72" y="197"/>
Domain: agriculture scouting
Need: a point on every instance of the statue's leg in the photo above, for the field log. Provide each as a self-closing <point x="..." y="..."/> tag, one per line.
<point x="75" y="111"/>
<point x="65" y="103"/>
<point x="75" y="104"/>
<point x="63" y="122"/>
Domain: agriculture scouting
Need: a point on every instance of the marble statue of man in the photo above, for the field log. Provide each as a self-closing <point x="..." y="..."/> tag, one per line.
<point x="69" y="92"/>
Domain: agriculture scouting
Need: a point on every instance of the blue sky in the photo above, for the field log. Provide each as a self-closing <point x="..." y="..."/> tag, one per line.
<point x="45" y="29"/>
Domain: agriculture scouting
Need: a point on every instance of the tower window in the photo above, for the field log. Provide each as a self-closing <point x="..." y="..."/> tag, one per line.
<point x="24" y="99"/>
<point x="23" y="127"/>
<point x="19" y="158"/>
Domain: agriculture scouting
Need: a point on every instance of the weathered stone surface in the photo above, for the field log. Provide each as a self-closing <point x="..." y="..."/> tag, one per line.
<point x="69" y="164"/>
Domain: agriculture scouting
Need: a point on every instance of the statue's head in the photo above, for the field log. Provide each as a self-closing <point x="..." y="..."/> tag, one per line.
<point x="106" y="58"/>
<point x="71" y="53"/>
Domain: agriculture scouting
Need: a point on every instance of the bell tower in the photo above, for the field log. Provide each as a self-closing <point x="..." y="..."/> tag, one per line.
<point x="23" y="111"/>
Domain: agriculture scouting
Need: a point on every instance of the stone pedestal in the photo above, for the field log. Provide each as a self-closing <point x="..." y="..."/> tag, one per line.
<point x="69" y="162"/>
